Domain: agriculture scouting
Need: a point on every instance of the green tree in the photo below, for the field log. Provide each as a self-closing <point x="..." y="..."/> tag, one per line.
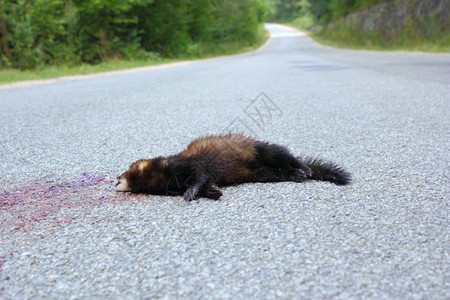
<point x="40" y="32"/>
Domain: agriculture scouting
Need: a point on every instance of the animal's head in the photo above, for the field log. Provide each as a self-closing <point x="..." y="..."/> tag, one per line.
<point x="143" y="176"/>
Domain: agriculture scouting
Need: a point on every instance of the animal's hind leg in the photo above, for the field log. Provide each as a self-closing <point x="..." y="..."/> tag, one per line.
<point x="298" y="175"/>
<point x="267" y="174"/>
<point x="277" y="156"/>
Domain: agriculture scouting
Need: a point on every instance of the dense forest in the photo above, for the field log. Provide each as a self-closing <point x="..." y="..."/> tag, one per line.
<point x="41" y="32"/>
<point x="35" y="33"/>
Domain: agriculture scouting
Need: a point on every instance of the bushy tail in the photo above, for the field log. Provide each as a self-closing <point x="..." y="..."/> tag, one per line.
<point x="326" y="171"/>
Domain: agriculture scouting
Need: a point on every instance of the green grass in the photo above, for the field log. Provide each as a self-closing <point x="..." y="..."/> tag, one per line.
<point x="194" y="52"/>
<point x="14" y="75"/>
<point x="374" y="43"/>
<point x="302" y="23"/>
<point x="207" y="50"/>
<point x="411" y="39"/>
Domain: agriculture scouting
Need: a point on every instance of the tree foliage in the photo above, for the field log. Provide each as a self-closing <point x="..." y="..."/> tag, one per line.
<point x="287" y="10"/>
<point x="41" y="32"/>
<point x="323" y="11"/>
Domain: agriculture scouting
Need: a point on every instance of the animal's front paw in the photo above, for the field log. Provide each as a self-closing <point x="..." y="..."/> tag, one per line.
<point x="190" y="193"/>
<point x="214" y="192"/>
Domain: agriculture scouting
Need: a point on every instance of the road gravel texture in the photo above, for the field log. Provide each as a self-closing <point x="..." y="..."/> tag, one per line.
<point x="66" y="234"/>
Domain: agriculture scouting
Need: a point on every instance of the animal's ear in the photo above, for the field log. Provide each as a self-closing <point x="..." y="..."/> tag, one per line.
<point x="158" y="164"/>
<point x="164" y="163"/>
<point x="142" y="165"/>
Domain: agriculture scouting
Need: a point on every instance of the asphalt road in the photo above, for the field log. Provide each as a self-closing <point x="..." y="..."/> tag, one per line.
<point x="66" y="234"/>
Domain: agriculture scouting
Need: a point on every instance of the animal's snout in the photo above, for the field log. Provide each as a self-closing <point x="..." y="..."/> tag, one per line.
<point x="121" y="185"/>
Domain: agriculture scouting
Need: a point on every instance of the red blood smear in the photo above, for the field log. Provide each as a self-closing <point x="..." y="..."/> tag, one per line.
<point x="37" y="191"/>
<point x="37" y="202"/>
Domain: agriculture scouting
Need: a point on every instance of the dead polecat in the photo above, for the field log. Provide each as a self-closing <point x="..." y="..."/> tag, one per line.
<point x="214" y="161"/>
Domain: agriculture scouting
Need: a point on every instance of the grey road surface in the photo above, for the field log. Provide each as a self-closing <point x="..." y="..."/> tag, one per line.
<point x="66" y="234"/>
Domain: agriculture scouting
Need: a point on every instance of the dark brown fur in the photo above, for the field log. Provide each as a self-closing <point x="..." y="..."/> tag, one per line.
<point x="214" y="161"/>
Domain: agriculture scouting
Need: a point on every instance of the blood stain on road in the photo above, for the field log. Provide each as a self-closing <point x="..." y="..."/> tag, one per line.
<point x="36" y="202"/>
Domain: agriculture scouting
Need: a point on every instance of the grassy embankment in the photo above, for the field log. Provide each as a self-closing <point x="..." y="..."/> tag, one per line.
<point x="194" y="52"/>
<point x="411" y="38"/>
<point x="344" y="36"/>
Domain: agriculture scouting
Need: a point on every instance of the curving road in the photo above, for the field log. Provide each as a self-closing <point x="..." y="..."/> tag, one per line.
<point x="65" y="233"/>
